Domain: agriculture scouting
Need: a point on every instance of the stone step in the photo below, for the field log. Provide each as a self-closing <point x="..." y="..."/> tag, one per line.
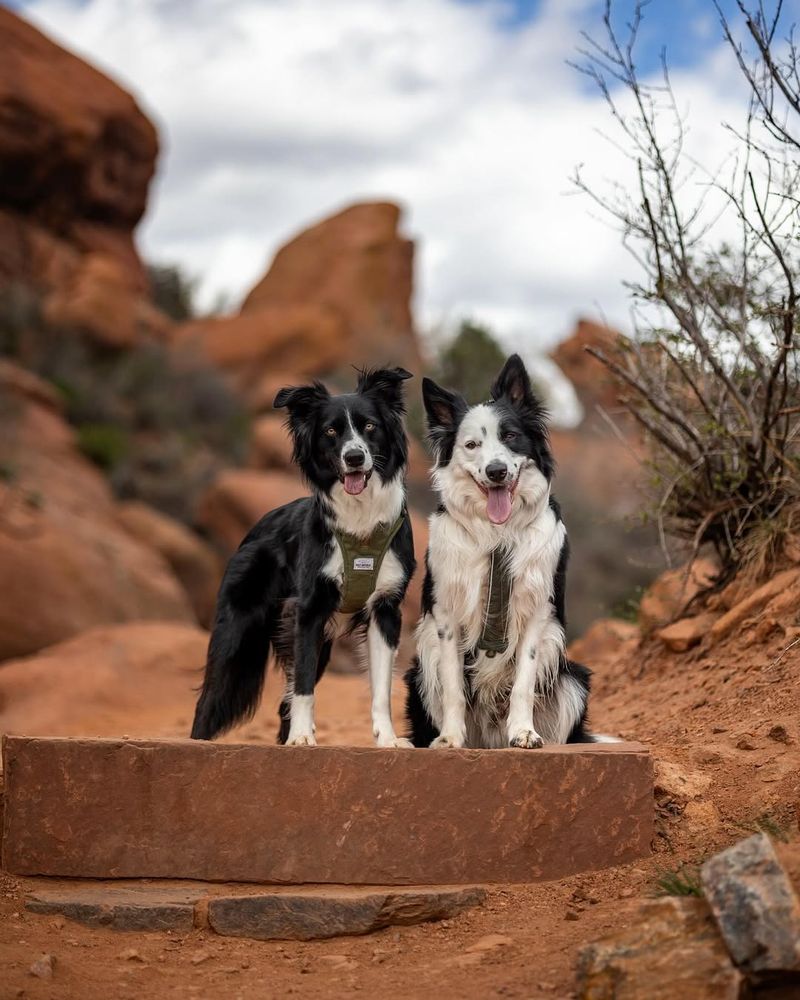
<point x="221" y="812"/>
<point x="309" y="914"/>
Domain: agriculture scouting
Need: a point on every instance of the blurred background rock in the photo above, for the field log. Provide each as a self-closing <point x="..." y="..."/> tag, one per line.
<point x="139" y="442"/>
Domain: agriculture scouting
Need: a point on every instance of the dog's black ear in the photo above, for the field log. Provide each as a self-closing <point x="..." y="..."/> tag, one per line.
<point x="386" y="383"/>
<point x="442" y="407"/>
<point x="300" y="399"/>
<point x="514" y="383"/>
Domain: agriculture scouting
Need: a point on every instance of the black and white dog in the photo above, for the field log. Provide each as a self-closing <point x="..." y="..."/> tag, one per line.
<point x="491" y="670"/>
<point x="287" y="581"/>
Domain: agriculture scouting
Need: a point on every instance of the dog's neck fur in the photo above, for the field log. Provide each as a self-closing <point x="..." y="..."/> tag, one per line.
<point x="380" y="503"/>
<point x="529" y="506"/>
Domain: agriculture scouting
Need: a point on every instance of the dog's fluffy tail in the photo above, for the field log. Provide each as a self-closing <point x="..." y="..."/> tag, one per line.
<point x="248" y="611"/>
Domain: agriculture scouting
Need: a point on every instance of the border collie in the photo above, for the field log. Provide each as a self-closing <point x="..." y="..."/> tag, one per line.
<point x="491" y="670"/>
<point x="289" y="579"/>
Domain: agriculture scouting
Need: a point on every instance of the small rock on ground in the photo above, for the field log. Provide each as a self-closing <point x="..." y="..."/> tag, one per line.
<point x="43" y="967"/>
<point x="673" y="951"/>
<point x="755" y="905"/>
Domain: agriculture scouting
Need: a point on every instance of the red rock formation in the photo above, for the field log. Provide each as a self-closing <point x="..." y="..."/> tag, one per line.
<point x="78" y="155"/>
<point x="239" y="497"/>
<point x="270" y="444"/>
<point x="72" y="564"/>
<point x="591" y="379"/>
<point x="106" y="681"/>
<point x="339" y="294"/>
<point x="193" y="561"/>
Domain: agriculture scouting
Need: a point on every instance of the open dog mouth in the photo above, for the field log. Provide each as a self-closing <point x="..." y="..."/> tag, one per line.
<point x="499" y="500"/>
<point x="355" y="482"/>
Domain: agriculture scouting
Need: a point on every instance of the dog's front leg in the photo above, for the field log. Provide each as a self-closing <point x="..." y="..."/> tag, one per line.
<point x="451" y="680"/>
<point x="537" y="658"/>
<point x="383" y="638"/>
<point x="312" y="615"/>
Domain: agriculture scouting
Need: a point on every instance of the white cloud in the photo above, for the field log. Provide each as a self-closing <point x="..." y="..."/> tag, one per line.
<point x="273" y="114"/>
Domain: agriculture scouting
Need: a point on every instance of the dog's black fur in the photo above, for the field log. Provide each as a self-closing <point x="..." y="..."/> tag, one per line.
<point x="275" y="596"/>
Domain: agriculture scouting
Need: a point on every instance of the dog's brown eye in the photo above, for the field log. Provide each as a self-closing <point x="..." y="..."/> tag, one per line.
<point x="331" y="432"/>
<point x="369" y="427"/>
<point x="471" y="445"/>
<point x="510" y="436"/>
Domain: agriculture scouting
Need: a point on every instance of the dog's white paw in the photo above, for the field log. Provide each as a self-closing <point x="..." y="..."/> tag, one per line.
<point x="526" y="739"/>
<point x="301" y="741"/>
<point x="448" y="740"/>
<point x="394" y="742"/>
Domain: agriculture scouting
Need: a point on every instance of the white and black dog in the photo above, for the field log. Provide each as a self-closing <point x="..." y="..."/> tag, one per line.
<point x="348" y="547"/>
<point x="491" y="670"/>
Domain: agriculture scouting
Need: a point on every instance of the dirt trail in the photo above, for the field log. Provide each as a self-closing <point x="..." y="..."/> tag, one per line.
<point x="723" y="724"/>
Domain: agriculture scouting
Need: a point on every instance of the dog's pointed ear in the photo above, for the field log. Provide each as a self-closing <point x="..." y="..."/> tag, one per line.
<point x="442" y="407"/>
<point x="514" y="383"/>
<point x="387" y="383"/>
<point x="300" y="399"/>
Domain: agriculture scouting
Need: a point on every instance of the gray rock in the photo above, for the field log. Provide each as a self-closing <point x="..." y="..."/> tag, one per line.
<point x="331" y="913"/>
<point x="755" y="906"/>
<point x="124" y="908"/>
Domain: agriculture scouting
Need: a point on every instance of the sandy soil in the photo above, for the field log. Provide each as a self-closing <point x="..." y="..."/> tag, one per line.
<point x="707" y="715"/>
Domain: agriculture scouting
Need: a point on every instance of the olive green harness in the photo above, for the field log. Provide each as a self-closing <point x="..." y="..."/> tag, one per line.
<point x="494" y="634"/>
<point x="362" y="558"/>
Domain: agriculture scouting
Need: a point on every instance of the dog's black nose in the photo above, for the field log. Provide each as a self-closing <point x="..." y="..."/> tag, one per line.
<point x="497" y="471"/>
<point x="354" y="458"/>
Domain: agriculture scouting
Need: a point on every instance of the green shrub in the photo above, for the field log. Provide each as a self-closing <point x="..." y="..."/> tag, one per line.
<point x="172" y="291"/>
<point x="682" y="881"/>
<point x="105" y="444"/>
<point x="159" y="423"/>
<point x="470" y="361"/>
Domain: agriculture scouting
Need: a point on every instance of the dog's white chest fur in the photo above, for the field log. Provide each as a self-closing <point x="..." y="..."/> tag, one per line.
<point x="461" y="556"/>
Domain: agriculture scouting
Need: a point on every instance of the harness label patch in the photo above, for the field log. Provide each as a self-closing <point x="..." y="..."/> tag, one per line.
<point x="364" y="562"/>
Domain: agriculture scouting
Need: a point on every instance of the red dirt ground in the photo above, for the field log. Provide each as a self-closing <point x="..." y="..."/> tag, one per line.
<point x="707" y="715"/>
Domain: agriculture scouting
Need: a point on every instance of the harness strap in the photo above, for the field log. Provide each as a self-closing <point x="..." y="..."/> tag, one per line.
<point x="494" y="635"/>
<point x="362" y="559"/>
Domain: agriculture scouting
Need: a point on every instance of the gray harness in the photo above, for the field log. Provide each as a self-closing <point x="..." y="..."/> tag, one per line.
<point x="494" y="634"/>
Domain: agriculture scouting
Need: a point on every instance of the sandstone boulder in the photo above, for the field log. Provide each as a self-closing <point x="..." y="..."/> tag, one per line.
<point x="193" y="561"/>
<point x="263" y="389"/>
<point x="102" y="299"/>
<point x="357" y="264"/>
<point x="605" y="639"/>
<point x="672" y="950"/>
<point x="239" y="497"/>
<point x="72" y="564"/>
<point x="686" y="633"/>
<point x="672" y="591"/>
<point x="106" y="681"/>
<point x="78" y="155"/>
<point x="303" y="337"/>
<point x="337" y="295"/>
<point x="299" y="815"/>
<point x="270" y="444"/>
<point x="591" y="379"/>
<point x="774" y="588"/>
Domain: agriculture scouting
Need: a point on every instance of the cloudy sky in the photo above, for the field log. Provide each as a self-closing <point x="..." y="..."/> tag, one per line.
<point x="274" y="113"/>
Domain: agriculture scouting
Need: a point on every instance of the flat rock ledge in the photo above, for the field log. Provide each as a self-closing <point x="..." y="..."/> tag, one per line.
<point x="344" y="816"/>
<point x="240" y="911"/>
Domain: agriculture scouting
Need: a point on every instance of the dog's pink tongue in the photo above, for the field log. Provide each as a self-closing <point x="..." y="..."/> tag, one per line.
<point x="354" y="483"/>
<point x="498" y="504"/>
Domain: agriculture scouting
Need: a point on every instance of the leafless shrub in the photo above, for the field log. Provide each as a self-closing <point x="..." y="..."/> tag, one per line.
<point x="711" y="375"/>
